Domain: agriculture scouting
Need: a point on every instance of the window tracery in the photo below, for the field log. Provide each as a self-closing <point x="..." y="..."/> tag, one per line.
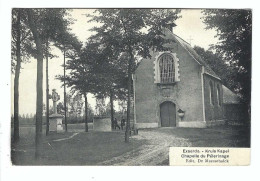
<point x="166" y="70"/>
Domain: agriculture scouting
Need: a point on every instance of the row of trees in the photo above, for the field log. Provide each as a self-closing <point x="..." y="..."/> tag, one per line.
<point x="105" y="64"/>
<point x="33" y="33"/>
<point x="26" y="119"/>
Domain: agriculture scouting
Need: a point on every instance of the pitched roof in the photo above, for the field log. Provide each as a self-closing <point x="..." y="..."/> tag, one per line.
<point x="230" y="97"/>
<point x="171" y="36"/>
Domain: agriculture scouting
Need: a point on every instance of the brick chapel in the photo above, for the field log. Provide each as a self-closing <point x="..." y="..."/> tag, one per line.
<point x="176" y="88"/>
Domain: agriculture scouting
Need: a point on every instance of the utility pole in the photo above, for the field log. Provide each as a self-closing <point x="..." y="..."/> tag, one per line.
<point x="65" y="104"/>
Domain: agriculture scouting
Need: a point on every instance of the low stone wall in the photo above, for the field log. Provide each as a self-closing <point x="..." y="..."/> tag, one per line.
<point x="215" y="123"/>
<point x="146" y="125"/>
<point x="201" y="124"/>
<point x="102" y="124"/>
<point x="192" y="124"/>
<point x="185" y="124"/>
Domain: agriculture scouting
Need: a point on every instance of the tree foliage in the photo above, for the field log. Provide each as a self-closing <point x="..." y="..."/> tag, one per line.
<point x="132" y="31"/>
<point x="111" y="76"/>
<point x="80" y="77"/>
<point x="225" y="71"/>
<point x="25" y="38"/>
<point x="44" y="24"/>
<point x="141" y="29"/>
<point x="234" y="30"/>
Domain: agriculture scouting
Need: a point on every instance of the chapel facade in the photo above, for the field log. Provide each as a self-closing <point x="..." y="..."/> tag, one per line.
<point x="176" y="88"/>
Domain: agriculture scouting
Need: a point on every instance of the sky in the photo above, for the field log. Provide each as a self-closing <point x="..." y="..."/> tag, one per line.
<point x="190" y="26"/>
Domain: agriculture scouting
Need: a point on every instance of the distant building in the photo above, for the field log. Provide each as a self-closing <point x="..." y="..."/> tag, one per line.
<point x="176" y="88"/>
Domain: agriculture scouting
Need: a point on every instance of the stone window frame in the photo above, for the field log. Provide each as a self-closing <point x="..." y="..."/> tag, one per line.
<point x="218" y="95"/>
<point x="157" y="78"/>
<point x="166" y="69"/>
<point x="211" y="93"/>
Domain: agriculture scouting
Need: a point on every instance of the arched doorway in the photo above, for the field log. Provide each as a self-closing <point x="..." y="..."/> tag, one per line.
<point x="168" y="114"/>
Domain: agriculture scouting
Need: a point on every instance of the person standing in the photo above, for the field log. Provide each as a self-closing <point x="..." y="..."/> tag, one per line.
<point x="116" y="124"/>
<point x="122" y="123"/>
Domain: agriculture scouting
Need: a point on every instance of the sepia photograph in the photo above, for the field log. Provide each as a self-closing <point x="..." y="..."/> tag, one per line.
<point x="121" y="86"/>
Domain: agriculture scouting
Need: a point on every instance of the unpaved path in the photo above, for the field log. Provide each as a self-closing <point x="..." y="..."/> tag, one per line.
<point x="62" y="139"/>
<point x="155" y="152"/>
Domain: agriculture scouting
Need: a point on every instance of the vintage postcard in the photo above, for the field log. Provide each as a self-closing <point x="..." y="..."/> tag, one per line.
<point x="131" y="87"/>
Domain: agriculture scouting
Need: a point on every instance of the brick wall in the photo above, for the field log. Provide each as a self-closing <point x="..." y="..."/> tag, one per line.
<point x="185" y="94"/>
<point x="213" y="111"/>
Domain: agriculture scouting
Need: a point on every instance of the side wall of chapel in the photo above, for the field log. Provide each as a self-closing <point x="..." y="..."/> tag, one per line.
<point x="213" y="108"/>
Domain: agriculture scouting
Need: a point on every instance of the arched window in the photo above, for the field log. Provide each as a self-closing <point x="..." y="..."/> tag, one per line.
<point x="211" y="93"/>
<point x="218" y="95"/>
<point x="167" y="69"/>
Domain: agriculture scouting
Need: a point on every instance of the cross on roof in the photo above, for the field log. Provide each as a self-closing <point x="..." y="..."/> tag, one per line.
<point x="190" y="39"/>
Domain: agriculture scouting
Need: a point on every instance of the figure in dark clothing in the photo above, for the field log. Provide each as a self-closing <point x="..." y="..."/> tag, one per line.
<point x="116" y="124"/>
<point x="122" y="123"/>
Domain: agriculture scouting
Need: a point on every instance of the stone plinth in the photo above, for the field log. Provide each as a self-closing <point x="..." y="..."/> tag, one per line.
<point x="56" y="123"/>
<point x="102" y="124"/>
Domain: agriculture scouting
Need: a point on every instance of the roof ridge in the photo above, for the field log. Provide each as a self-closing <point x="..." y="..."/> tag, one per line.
<point x="181" y="38"/>
<point x="196" y="56"/>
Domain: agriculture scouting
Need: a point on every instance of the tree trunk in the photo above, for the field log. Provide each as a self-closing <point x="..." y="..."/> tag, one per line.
<point x="65" y="105"/>
<point x="86" y="111"/>
<point x="47" y="90"/>
<point x="39" y="83"/>
<point x="39" y="103"/>
<point x="16" y="79"/>
<point x="129" y="82"/>
<point x="111" y="107"/>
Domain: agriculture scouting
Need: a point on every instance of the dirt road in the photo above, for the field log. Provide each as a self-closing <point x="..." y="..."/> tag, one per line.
<point x="154" y="152"/>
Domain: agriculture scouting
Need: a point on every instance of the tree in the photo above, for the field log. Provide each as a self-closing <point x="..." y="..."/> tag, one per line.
<point x="234" y="30"/>
<point x="132" y="31"/>
<point x="90" y="112"/>
<point x="69" y="44"/>
<point x="31" y="15"/>
<point x="36" y="20"/>
<point x="17" y="73"/>
<point x="80" y="78"/>
<point x="225" y="71"/>
<point x="52" y="26"/>
<point x="76" y="104"/>
<point x="100" y="106"/>
<point x="20" y="43"/>
<point x="122" y="106"/>
<point x="111" y="75"/>
<point x="60" y="107"/>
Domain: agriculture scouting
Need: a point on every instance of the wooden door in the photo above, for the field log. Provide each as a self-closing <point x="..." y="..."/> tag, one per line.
<point x="168" y="114"/>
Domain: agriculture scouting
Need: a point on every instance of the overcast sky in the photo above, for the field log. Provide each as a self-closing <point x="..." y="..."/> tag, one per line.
<point x="190" y="26"/>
